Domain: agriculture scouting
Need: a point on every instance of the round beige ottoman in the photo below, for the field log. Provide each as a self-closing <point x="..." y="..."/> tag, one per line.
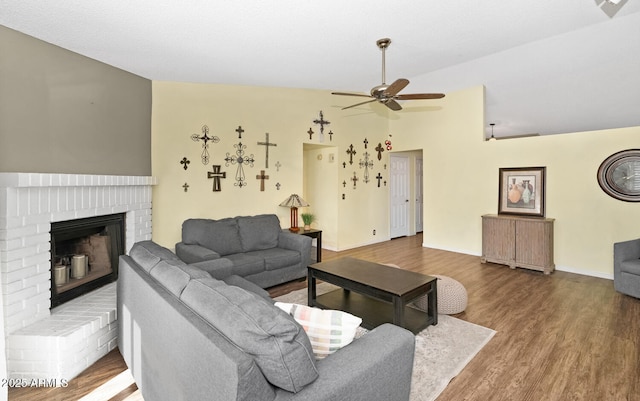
<point x="452" y="296"/>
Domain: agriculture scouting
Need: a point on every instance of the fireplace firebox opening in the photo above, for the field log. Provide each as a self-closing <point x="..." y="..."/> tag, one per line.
<point x="84" y="255"/>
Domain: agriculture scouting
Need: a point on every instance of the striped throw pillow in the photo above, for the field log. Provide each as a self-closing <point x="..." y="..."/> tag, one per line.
<point x="328" y="330"/>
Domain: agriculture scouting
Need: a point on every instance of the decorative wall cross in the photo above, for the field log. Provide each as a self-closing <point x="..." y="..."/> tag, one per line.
<point x="322" y="122"/>
<point x="278" y="185"/>
<point x="262" y="177"/>
<point x="216" y="174"/>
<point x="240" y="159"/>
<point x="185" y="163"/>
<point x="239" y="130"/>
<point x="266" y="143"/>
<point x="330" y="135"/>
<point x="205" y="138"/>
<point x="310" y="132"/>
<point x="366" y="164"/>
<point x="379" y="177"/>
<point x="354" y="179"/>
<point x="186" y="187"/>
<point x="351" y="152"/>
<point x="380" y="149"/>
<point x="278" y="165"/>
<point x="366" y="142"/>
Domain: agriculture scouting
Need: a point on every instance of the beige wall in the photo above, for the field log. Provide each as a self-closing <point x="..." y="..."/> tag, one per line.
<point x="461" y="182"/>
<point x="180" y="109"/>
<point x="65" y="113"/>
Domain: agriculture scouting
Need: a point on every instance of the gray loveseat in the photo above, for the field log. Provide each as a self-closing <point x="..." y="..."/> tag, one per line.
<point x="253" y="247"/>
<point x="187" y="336"/>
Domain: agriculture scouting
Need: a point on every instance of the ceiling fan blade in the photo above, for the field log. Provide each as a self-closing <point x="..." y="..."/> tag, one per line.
<point x="359" y="104"/>
<point x="415" y="96"/>
<point x="350" y="94"/>
<point x="393" y="105"/>
<point x="396" y="87"/>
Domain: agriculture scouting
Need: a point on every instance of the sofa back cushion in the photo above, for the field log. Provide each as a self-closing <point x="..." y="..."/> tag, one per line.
<point x="277" y="343"/>
<point x="220" y="236"/>
<point x="259" y="232"/>
<point x="175" y="275"/>
<point x="147" y="254"/>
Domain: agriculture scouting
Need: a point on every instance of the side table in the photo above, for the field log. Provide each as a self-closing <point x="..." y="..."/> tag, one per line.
<point x="317" y="234"/>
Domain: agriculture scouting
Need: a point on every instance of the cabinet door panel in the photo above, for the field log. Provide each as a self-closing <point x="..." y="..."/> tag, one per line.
<point x="498" y="237"/>
<point x="534" y="243"/>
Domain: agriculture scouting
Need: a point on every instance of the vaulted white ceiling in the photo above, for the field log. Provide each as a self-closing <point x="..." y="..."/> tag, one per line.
<point x="549" y="66"/>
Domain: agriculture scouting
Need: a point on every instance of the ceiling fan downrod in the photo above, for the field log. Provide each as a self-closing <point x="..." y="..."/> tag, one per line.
<point x="383" y="44"/>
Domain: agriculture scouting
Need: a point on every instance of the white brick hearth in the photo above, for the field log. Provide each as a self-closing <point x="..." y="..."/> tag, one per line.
<point x="59" y="344"/>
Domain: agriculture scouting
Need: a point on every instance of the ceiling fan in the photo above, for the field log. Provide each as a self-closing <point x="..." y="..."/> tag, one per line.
<point x="388" y="94"/>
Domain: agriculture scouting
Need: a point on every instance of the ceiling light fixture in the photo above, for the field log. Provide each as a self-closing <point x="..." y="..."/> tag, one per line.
<point x="493" y="138"/>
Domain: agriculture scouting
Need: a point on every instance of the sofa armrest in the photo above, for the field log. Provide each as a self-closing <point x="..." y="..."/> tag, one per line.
<point x="626" y="250"/>
<point x="191" y="253"/>
<point x="296" y="242"/>
<point x="375" y="367"/>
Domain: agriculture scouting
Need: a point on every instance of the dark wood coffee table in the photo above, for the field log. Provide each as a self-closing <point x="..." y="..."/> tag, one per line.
<point x="376" y="293"/>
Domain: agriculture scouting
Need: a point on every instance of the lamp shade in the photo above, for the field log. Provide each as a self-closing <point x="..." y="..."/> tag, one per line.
<point x="294" y="201"/>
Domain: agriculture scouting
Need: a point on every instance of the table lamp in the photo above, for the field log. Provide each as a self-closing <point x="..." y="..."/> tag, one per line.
<point x="294" y="202"/>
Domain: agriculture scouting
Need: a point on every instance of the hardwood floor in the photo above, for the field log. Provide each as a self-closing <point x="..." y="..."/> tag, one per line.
<point x="559" y="337"/>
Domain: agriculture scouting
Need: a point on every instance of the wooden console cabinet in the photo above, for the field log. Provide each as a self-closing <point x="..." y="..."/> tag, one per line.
<point x="518" y="242"/>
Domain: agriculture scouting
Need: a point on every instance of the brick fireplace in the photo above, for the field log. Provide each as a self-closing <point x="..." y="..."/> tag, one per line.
<point x="59" y="343"/>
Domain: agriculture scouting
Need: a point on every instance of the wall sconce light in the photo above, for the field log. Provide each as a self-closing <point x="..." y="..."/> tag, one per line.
<point x="294" y="202"/>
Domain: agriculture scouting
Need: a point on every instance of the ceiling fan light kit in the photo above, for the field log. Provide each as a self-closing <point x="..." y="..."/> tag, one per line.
<point x="388" y="94"/>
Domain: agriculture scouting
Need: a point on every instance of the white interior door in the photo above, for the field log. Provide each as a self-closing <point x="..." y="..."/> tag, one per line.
<point x="399" y="192"/>
<point x="419" y="197"/>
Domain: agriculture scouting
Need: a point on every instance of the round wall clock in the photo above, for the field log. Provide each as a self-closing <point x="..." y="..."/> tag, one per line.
<point x="619" y="175"/>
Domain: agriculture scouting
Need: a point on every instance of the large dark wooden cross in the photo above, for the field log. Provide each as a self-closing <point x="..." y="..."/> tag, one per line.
<point x="322" y="122"/>
<point x="262" y="177"/>
<point x="205" y="138"/>
<point x="351" y="152"/>
<point x="378" y="177"/>
<point x="216" y="174"/>
<point x="380" y="149"/>
<point x="266" y="143"/>
<point x="240" y="159"/>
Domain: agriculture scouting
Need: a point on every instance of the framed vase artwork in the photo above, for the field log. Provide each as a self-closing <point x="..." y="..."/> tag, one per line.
<point x="522" y="191"/>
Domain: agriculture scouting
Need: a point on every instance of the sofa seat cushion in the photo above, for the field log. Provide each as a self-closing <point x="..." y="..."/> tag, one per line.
<point x="277" y="258"/>
<point x="245" y="264"/>
<point x="259" y="232"/>
<point x="220" y="236"/>
<point x="631" y="266"/>
<point x="148" y="254"/>
<point x="278" y="344"/>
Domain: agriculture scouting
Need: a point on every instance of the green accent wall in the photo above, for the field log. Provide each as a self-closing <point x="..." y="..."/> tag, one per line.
<point x="61" y="112"/>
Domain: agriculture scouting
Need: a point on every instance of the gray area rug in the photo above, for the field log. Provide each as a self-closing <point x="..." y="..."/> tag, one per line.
<point x="442" y="351"/>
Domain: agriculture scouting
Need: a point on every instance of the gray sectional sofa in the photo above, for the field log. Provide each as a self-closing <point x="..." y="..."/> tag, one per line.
<point x="253" y="247"/>
<point x="187" y="336"/>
